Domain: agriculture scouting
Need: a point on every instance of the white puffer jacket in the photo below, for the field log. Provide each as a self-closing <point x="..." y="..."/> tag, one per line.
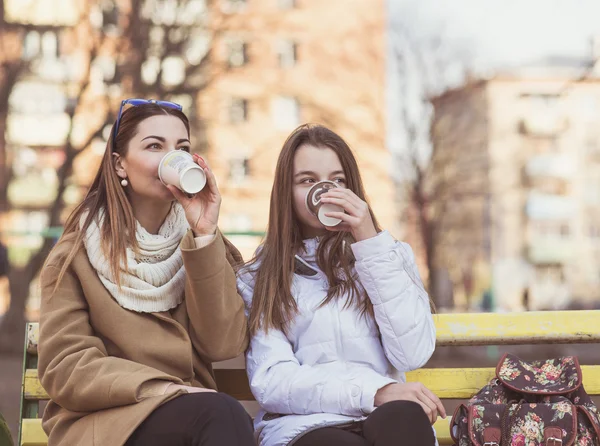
<point x="328" y="368"/>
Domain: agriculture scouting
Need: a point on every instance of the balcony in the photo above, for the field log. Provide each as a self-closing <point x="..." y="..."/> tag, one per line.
<point x="550" y="250"/>
<point x="543" y="125"/>
<point x="549" y="207"/>
<point x="561" y="166"/>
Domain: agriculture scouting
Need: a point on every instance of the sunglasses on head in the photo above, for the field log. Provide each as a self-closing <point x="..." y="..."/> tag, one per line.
<point x="135" y="103"/>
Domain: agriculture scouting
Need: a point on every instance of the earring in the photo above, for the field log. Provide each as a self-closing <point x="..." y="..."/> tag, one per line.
<point x="124" y="182"/>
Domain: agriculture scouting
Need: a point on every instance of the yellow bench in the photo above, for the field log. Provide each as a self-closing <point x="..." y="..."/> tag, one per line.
<point x="452" y="330"/>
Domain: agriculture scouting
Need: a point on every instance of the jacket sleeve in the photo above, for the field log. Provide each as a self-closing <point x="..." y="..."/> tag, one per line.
<point x="74" y="367"/>
<point x="282" y="385"/>
<point x="218" y="325"/>
<point x="388" y="272"/>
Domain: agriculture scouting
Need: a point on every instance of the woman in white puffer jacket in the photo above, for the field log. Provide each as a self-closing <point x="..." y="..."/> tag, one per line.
<point x="337" y="314"/>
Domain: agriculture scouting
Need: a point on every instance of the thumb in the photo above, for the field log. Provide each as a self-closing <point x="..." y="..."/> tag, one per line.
<point x="179" y="196"/>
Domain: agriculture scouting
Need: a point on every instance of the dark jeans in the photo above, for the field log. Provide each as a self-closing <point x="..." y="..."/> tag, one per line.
<point x="397" y="423"/>
<point x="196" y="419"/>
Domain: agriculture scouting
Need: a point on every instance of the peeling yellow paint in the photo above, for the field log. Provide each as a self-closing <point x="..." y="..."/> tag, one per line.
<point x="541" y="327"/>
<point x="33" y="434"/>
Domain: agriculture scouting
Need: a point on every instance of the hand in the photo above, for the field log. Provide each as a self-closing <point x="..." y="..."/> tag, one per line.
<point x="189" y="389"/>
<point x="416" y="392"/>
<point x="202" y="210"/>
<point x="357" y="218"/>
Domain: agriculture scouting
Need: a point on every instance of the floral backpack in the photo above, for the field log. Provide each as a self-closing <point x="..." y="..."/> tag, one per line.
<point x="539" y="403"/>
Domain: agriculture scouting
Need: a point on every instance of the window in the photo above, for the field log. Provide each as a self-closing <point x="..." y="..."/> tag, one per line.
<point x="239" y="170"/>
<point x="542" y="100"/>
<point x="230" y="6"/>
<point x="238" y="110"/>
<point x="237" y="52"/>
<point x="286" y="112"/>
<point x="287" y="4"/>
<point x="287" y="53"/>
<point x="552" y="229"/>
<point x="49" y="45"/>
<point x="31" y="45"/>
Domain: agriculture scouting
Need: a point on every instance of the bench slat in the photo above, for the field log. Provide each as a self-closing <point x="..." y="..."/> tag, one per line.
<point x="34" y="435"/>
<point x="446" y="383"/>
<point x="535" y="327"/>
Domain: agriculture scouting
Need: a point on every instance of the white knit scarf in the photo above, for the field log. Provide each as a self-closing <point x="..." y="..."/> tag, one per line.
<point x="154" y="279"/>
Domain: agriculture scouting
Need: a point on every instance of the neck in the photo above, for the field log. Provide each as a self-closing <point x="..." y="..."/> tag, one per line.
<point x="150" y="213"/>
<point x="310" y="232"/>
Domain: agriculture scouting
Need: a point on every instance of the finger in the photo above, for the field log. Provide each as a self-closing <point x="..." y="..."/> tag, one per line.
<point x="350" y="220"/>
<point x="426" y="409"/>
<point x="359" y="205"/>
<point x="343" y="192"/>
<point x="211" y="181"/>
<point x="181" y="197"/>
<point x="432" y="412"/>
<point x="200" y="161"/>
<point x="438" y="403"/>
<point x="342" y="202"/>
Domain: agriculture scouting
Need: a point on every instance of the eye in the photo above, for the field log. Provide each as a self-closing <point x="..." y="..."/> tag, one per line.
<point x="307" y="181"/>
<point x="339" y="180"/>
<point x="154" y="146"/>
<point x="184" y="148"/>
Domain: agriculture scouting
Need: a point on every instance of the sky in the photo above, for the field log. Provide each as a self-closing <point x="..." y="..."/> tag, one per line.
<point x="487" y="36"/>
<point x="507" y="32"/>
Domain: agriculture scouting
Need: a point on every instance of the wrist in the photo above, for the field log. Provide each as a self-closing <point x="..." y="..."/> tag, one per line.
<point x="364" y="234"/>
<point x="380" y="395"/>
<point x="203" y="232"/>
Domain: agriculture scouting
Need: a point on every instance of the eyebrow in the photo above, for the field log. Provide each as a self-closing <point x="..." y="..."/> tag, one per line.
<point x="160" y="138"/>
<point x="310" y="172"/>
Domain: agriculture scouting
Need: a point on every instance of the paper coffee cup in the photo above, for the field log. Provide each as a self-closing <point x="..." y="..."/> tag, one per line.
<point x="179" y="169"/>
<point x="315" y="207"/>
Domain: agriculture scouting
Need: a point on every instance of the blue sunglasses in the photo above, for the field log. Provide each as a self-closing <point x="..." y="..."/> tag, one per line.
<point x="135" y="103"/>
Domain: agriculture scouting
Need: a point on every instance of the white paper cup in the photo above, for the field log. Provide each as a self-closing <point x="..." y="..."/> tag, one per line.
<point x="315" y="207"/>
<point x="179" y="169"/>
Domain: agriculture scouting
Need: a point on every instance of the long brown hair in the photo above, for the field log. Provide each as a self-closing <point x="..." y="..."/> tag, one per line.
<point x="273" y="305"/>
<point x="106" y="195"/>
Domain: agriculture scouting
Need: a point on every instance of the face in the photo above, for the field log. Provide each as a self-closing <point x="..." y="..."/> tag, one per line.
<point x="311" y="165"/>
<point x="155" y="137"/>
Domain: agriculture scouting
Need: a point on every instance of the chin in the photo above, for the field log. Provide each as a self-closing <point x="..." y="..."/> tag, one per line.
<point x="163" y="195"/>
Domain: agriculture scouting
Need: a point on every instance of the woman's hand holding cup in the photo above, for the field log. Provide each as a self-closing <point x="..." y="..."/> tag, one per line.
<point x="356" y="219"/>
<point x="202" y="209"/>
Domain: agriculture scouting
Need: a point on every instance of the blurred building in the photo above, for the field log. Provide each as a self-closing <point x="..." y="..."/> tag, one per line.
<point x="41" y="104"/>
<point x="281" y="63"/>
<point x="517" y="161"/>
<point x="273" y="64"/>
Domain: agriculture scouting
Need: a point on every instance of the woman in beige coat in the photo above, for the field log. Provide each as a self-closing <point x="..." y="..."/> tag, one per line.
<point x="139" y="299"/>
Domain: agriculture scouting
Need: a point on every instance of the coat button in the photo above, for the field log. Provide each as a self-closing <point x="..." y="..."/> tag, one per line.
<point x="393" y="256"/>
<point x="355" y="391"/>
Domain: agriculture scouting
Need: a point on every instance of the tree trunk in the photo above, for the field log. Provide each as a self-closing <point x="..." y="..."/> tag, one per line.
<point x="13" y="323"/>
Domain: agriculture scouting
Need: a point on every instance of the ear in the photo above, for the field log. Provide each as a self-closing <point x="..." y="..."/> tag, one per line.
<point x="120" y="165"/>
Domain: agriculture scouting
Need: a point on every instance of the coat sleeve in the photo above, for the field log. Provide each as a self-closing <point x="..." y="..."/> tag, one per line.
<point x="282" y="385"/>
<point x="218" y="325"/>
<point x="388" y="272"/>
<point x="74" y="367"/>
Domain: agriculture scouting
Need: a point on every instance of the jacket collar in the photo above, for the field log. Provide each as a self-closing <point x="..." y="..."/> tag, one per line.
<point x="306" y="261"/>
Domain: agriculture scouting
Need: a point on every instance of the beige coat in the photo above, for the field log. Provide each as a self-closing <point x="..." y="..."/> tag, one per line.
<point x="106" y="368"/>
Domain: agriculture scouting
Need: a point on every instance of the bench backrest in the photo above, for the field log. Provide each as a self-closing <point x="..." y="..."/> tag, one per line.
<point x="452" y="330"/>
